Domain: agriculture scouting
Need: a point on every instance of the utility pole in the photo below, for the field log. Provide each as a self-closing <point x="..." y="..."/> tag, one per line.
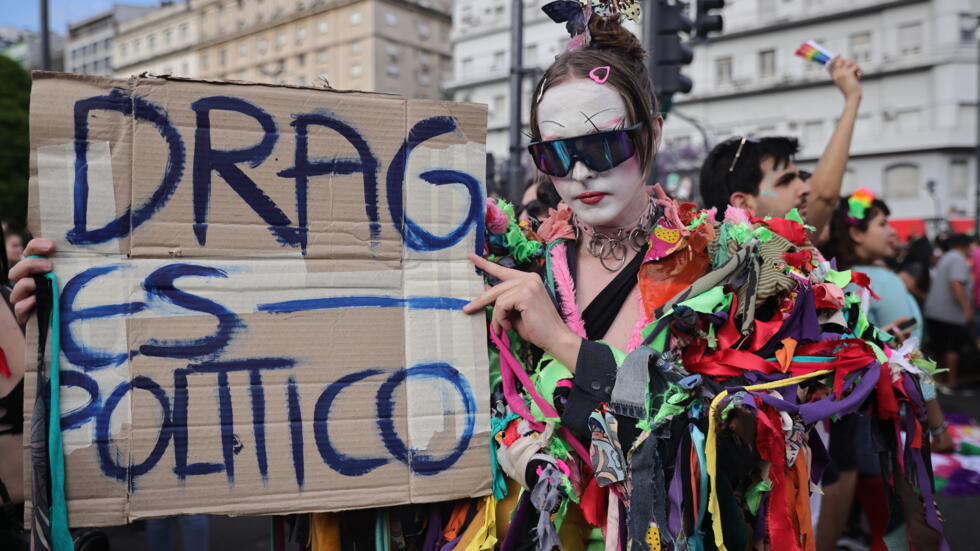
<point x="515" y="172"/>
<point x="976" y="168"/>
<point x="45" y="39"/>
<point x="650" y="13"/>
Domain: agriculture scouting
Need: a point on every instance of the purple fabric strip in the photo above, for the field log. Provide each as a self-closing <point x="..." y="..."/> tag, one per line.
<point x="762" y="519"/>
<point x="819" y="457"/>
<point x="676" y="495"/>
<point x="925" y="484"/>
<point x="801" y="324"/>
<point x="433" y="532"/>
<point x="826" y="407"/>
<point x="451" y="545"/>
<point x="517" y="521"/>
<point x="913" y="391"/>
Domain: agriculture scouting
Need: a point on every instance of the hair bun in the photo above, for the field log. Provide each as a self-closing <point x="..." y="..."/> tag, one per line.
<point x="608" y="33"/>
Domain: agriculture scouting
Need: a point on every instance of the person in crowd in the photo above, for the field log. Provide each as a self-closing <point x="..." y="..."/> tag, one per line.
<point x="13" y="244"/>
<point x="948" y="307"/>
<point x="760" y="174"/>
<point x="861" y="239"/>
<point x="916" y="268"/>
<point x="12" y="343"/>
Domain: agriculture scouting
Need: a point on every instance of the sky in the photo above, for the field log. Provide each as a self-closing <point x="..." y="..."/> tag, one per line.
<point x="26" y="14"/>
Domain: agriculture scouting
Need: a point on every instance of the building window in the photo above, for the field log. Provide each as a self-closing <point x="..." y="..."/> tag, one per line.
<point x="263" y="46"/>
<point x="151" y="42"/>
<point x="968" y="28"/>
<point x="185" y="31"/>
<point x="223" y="57"/>
<point x="355" y="19"/>
<point x="812" y="133"/>
<point x="106" y="44"/>
<point x="424" y="31"/>
<point x="959" y="179"/>
<point x="321" y="55"/>
<point x="498" y="107"/>
<point x="393" y="70"/>
<point x="301" y="80"/>
<point x="280" y="39"/>
<point x="531" y="54"/>
<point x="301" y="60"/>
<point x="723" y="71"/>
<point x="467" y="66"/>
<point x="168" y="37"/>
<point x="859" y="45"/>
<point x="300" y="35"/>
<point x="243" y="48"/>
<point x="908" y="121"/>
<point x="392" y="51"/>
<point x="910" y="38"/>
<point x="136" y="46"/>
<point x="391" y="18"/>
<point x="767" y="64"/>
<point x="185" y="68"/>
<point x="424" y="78"/>
<point x="424" y="59"/>
<point x="356" y="70"/>
<point x="321" y="26"/>
<point x="850" y="182"/>
<point x="499" y="60"/>
<point x="902" y="181"/>
<point x="122" y="50"/>
<point x="355" y="47"/>
<point x="204" y="61"/>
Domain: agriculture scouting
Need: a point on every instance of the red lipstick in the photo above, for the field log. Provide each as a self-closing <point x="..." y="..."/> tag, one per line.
<point x="591" y="197"/>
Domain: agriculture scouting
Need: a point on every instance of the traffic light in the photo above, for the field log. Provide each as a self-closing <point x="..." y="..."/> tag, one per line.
<point x="669" y="51"/>
<point x="706" y="21"/>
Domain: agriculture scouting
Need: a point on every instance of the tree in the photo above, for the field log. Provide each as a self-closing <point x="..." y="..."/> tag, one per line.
<point x="15" y="94"/>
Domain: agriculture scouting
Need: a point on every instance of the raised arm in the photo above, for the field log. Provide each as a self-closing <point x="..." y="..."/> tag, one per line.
<point x="825" y="183"/>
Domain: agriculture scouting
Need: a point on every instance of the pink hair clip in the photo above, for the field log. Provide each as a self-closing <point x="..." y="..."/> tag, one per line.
<point x="594" y="74"/>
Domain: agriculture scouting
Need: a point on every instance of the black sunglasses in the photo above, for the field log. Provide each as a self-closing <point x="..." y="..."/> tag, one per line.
<point x="600" y="152"/>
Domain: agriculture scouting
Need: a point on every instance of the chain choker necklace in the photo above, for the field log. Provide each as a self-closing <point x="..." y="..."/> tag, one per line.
<point x="610" y="246"/>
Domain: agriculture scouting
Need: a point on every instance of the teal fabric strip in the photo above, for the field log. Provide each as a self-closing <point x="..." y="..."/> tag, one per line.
<point x="60" y="537"/>
<point x="696" y="541"/>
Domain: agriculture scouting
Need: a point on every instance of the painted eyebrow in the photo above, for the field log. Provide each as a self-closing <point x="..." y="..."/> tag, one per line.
<point x="554" y="122"/>
<point x="588" y="118"/>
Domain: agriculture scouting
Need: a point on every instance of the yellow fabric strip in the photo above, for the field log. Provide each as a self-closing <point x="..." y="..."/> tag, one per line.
<point x="711" y="448"/>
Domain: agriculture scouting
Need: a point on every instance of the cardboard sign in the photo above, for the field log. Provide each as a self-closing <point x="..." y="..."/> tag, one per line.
<point x="260" y="296"/>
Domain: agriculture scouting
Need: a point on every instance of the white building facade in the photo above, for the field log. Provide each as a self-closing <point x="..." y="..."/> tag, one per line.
<point x="918" y="119"/>
<point x="89" y="49"/>
<point x="162" y="41"/>
<point x="481" y="59"/>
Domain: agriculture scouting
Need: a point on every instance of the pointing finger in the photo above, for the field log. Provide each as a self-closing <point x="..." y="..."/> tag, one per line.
<point x="495" y="270"/>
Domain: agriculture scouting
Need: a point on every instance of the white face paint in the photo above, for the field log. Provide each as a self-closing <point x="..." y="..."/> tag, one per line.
<point x="616" y="197"/>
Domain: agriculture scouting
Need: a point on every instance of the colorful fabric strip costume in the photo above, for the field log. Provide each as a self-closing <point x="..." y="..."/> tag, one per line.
<point x="700" y="435"/>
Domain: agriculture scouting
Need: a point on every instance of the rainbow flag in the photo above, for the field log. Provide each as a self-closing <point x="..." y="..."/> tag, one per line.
<point x="812" y="51"/>
<point x="958" y="473"/>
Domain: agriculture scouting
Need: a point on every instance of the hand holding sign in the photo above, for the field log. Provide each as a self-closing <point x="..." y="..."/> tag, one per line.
<point x="521" y="303"/>
<point x="22" y="297"/>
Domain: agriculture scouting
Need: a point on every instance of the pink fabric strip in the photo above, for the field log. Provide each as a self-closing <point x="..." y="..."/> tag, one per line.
<point x="508" y="363"/>
<point x="565" y="287"/>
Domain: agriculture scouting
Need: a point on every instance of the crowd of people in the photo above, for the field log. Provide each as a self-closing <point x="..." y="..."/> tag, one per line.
<point x="696" y="369"/>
